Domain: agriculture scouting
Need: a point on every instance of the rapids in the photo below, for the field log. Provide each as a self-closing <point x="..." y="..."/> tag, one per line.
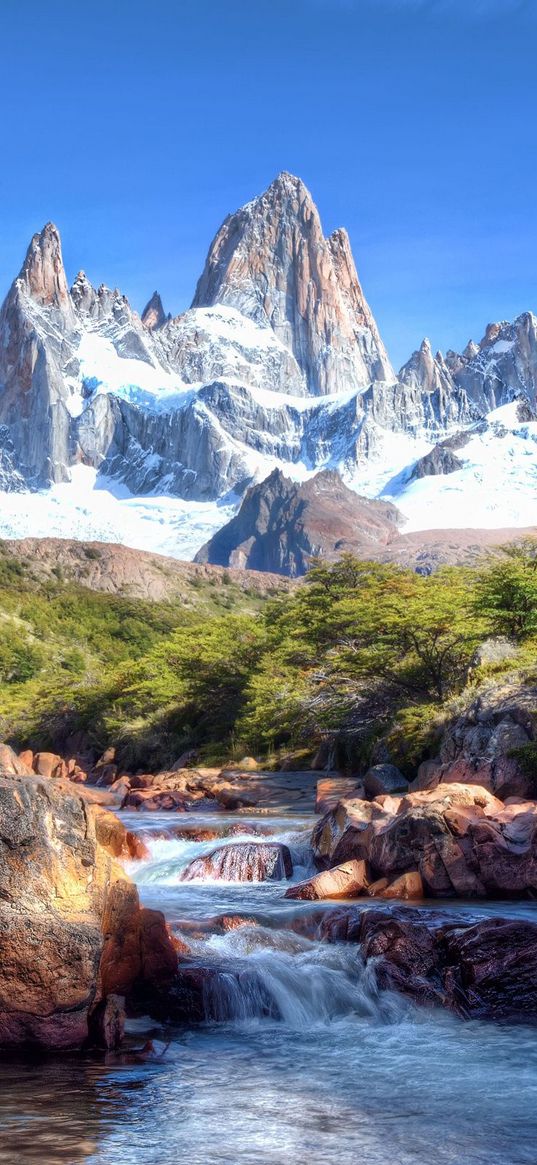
<point x="300" y="1059"/>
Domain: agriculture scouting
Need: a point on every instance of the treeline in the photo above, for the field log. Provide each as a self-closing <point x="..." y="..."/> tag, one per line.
<point x="358" y="650"/>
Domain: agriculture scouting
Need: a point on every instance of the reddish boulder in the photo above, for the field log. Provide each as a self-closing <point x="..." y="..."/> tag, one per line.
<point x="71" y="926"/>
<point x="347" y="881"/>
<point x="119" y="841"/>
<point x="330" y="790"/>
<point x="155" y="800"/>
<point x="48" y="764"/>
<point x="460" y="839"/>
<point x="247" y="862"/>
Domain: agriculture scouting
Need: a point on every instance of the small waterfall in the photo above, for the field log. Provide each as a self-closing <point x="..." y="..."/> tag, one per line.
<point x="260" y="973"/>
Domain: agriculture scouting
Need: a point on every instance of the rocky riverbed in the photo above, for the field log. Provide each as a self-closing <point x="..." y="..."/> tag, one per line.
<point x="329" y="1026"/>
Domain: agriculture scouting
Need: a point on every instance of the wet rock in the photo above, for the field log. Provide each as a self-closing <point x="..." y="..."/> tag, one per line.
<point x="247" y="862"/>
<point x="107" y="1025"/>
<point x="346" y="881"/>
<point x="156" y="800"/>
<point x="482" y="969"/>
<point x="406" y="886"/>
<point x="490" y="969"/>
<point x="119" y="841"/>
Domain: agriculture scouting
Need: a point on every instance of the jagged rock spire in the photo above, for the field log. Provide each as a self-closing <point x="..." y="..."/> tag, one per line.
<point x="153" y="315"/>
<point x="43" y="275"/>
<point x="271" y="261"/>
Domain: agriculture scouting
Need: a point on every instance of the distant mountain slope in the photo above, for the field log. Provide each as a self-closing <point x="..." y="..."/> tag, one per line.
<point x="285" y="527"/>
<point x="118" y="570"/>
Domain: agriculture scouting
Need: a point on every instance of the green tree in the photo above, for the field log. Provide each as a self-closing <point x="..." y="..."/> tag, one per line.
<point x="506" y="592"/>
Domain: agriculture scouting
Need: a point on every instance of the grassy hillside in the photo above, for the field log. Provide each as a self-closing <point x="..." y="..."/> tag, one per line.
<point x="359" y="651"/>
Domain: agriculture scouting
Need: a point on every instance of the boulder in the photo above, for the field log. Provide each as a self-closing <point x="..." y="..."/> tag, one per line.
<point x="330" y="790"/>
<point x="406" y="886"/>
<point x="243" y="862"/>
<point x="459" y="840"/>
<point x="72" y="929"/>
<point x="48" y="764"/>
<point x="11" y="765"/>
<point x="155" y="800"/>
<point x="349" y="880"/>
<point x="384" y="778"/>
<point x="119" y="841"/>
<point x="186" y="759"/>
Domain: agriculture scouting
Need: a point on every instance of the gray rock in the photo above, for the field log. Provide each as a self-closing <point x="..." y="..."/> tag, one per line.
<point x="384" y="779"/>
<point x="284" y="527"/>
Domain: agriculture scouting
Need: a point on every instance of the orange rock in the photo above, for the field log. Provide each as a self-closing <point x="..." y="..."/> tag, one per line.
<point x="48" y="764"/>
<point x="376" y="889"/>
<point x="407" y="886"/>
<point x="349" y="880"/>
<point x="73" y="931"/>
<point x="330" y="790"/>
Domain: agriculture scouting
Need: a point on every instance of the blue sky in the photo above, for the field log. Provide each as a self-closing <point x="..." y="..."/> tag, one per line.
<point x="136" y="127"/>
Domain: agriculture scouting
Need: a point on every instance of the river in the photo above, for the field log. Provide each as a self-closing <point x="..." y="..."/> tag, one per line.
<point x="300" y="1061"/>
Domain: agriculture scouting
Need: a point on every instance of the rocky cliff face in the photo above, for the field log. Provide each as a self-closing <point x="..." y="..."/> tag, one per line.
<point x="271" y="261"/>
<point x="73" y="934"/>
<point x="37" y="321"/>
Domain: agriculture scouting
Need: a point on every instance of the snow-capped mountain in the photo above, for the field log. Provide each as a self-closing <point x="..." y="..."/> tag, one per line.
<point x="147" y="430"/>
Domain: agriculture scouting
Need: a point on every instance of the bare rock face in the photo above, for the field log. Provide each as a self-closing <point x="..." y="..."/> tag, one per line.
<point x="502" y="368"/>
<point x="72" y="931"/>
<point x="439" y="460"/>
<point x="428" y="395"/>
<point x="283" y="526"/>
<point x="42" y="276"/>
<point x="37" y="320"/>
<point x="271" y="261"/>
<point x="487" y="743"/>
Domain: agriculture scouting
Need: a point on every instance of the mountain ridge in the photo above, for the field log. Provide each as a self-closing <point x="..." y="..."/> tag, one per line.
<point x="278" y="364"/>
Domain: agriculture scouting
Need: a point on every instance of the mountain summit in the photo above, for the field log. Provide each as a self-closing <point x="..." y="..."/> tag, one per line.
<point x="271" y="261"/>
<point x="148" y="430"/>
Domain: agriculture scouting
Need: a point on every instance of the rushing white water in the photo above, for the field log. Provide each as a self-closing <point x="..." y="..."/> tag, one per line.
<point x="300" y="1059"/>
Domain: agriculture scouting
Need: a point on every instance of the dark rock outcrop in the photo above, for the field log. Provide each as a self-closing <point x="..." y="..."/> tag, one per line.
<point x="284" y="526"/>
<point x="483" y="970"/>
<point x="153" y="315"/>
<point x="486" y="744"/>
<point x="439" y="460"/>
